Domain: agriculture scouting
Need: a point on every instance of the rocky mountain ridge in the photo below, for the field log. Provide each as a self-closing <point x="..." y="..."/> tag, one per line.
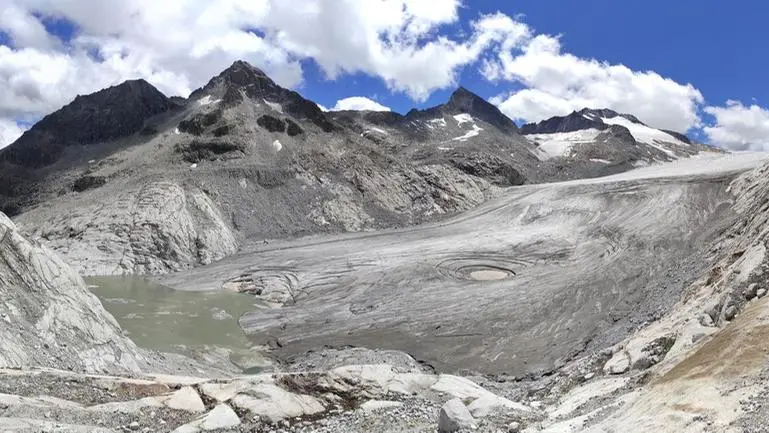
<point x="244" y="160"/>
<point x="595" y="132"/>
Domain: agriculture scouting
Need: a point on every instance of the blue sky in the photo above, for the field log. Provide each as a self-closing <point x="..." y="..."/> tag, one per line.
<point x="720" y="47"/>
<point x="678" y="65"/>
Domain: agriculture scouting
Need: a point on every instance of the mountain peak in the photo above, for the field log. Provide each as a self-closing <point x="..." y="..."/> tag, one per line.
<point x="240" y="77"/>
<point x="608" y="114"/>
<point x="465" y="101"/>
<point x="114" y="112"/>
<point x="586" y="118"/>
<point x="243" y="73"/>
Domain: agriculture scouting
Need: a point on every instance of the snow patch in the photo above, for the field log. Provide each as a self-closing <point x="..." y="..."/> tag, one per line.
<point x="274" y="105"/>
<point x="369" y="131"/>
<point x="438" y="122"/>
<point x="560" y="143"/>
<point x="176" y="131"/>
<point x="602" y="161"/>
<point x="194" y="166"/>
<point x="445" y="148"/>
<point x="277" y="146"/>
<point x="206" y="100"/>
<point x="470" y="134"/>
<point x="463" y="118"/>
<point x="644" y="134"/>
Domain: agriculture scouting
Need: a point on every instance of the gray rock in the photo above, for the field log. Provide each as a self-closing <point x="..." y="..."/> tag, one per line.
<point x="454" y="416"/>
<point x="514" y="427"/>
<point x="706" y="320"/>
<point x="698" y="336"/>
<point x="730" y="312"/>
<point x="751" y="291"/>
<point x="618" y="364"/>
<point x="58" y="322"/>
<point x="761" y="293"/>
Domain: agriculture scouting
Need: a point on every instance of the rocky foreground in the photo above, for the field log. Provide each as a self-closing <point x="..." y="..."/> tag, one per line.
<point x="700" y="367"/>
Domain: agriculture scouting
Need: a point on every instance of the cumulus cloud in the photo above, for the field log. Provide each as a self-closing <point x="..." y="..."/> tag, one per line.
<point x="178" y="45"/>
<point x="9" y="132"/>
<point x="739" y="127"/>
<point x="359" y="103"/>
<point x="413" y="46"/>
<point x="556" y="83"/>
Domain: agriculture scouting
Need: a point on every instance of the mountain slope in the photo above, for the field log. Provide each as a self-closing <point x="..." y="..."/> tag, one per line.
<point x="110" y="113"/>
<point x="467" y="132"/>
<point x="155" y="185"/>
<point x="617" y="137"/>
<point x="240" y="161"/>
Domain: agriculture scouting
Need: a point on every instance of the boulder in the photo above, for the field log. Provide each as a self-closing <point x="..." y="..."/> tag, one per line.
<point x="220" y="417"/>
<point x="751" y="291"/>
<point x="618" y="364"/>
<point x="270" y="402"/>
<point x="454" y="416"/>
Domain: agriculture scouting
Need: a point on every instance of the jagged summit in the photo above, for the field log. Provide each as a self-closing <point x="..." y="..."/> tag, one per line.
<point x="463" y="101"/>
<point x="240" y="76"/>
<point x="589" y="118"/>
<point x="242" y="81"/>
<point x="606" y="135"/>
<point x="114" y="112"/>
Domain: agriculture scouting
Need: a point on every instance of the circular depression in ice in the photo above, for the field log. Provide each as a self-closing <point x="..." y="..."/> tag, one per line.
<point x="490" y="275"/>
<point x="478" y="268"/>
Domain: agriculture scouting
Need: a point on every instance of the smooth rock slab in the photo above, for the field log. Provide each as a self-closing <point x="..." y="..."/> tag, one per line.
<point x="618" y="364"/>
<point x="220" y="417"/>
<point x="484" y="401"/>
<point x="274" y="403"/>
<point x="378" y="405"/>
<point x="186" y="399"/>
<point x="454" y="416"/>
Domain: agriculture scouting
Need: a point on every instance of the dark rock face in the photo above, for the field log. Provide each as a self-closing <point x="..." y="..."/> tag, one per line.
<point x="465" y="101"/>
<point x="678" y="135"/>
<point x="88" y="182"/>
<point x="272" y="124"/>
<point x="293" y="129"/>
<point x="208" y="149"/>
<point x="223" y="130"/>
<point x="198" y="123"/>
<point x="111" y="113"/>
<point x="576" y="121"/>
<point x="621" y="133"/>
<point x="591" y="119"/>
<point x="489" y="167"/>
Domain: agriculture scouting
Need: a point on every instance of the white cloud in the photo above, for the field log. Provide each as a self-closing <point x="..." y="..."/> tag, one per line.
<point x="179" y="44"/>
<point x="9" y="132"/>
<point x="24" y="29"/>
<point x="739" y="127"/>
<point x="556" y="83"/>
<point x="359" y="103"/>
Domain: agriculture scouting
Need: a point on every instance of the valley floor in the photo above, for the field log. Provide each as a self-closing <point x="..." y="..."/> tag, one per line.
<point x="521" y="285"/>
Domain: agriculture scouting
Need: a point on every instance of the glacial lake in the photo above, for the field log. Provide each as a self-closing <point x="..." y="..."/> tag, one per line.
<point x="157" y="317"/>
